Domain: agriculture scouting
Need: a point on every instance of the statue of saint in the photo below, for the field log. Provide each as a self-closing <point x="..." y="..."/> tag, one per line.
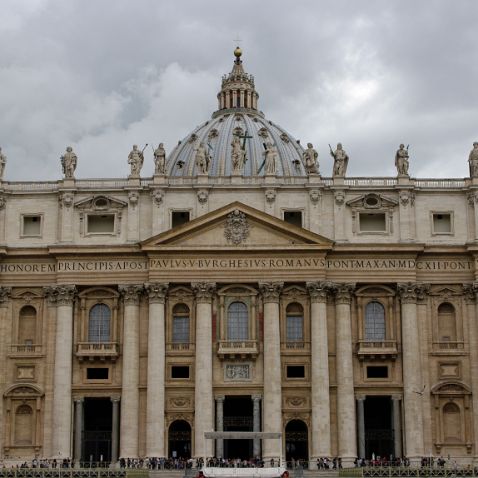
<point x="68" y="163"/>
<point x="135" y="160"/>
<point x="202" y="159"/>
<point x="238" y="155"/>
<point x="401" y="160"/>
<point x="160" y="160"/>
<point x="341" y="161"/>
<point x="3" y="162"/>
<point x="310" y="156"/>
<point x="472" y="161"/>
<point x="270" y="158"/>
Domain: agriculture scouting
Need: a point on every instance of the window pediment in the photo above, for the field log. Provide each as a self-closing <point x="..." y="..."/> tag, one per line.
<point x="100" y="203"/>
<point x="23" y="390"/>
<point x="372" y="201"/>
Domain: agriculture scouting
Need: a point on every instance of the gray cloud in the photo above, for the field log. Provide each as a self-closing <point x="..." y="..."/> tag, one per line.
<point x="104" y="75"/>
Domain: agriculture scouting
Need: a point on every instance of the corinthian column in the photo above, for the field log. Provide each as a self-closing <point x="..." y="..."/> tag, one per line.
<point x="412" y="378"/>
<point x="130" y="393"/>
<point x="5" y="294"/>
<point x="203" y="398"/>
<point x="63" y="297"/>
<point x="272" y="405"/>
<point x="345" y="376"/>
<point x="156" y="366"/>
<point x="319" y="371"/>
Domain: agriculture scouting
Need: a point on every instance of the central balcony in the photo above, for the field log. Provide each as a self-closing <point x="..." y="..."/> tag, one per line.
<point x="377" y="349"/>
<point x="97" y="351"/>
<point x="237" y="349"/>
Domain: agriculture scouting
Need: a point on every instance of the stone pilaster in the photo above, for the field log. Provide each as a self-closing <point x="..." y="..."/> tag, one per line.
<point x="156" y="367"/>
<point x="256" y="423"/>
<point x="78" y="430"/>
<point x="220" y="425"/>
<point x="361" y="426"/>
<point x="272" y="406"/>
<point x="411" y="363"/>
<point x="347" y="443"/>
<point x="397" y="426"/>
<point x="5" y="294"/>
<point x="320" y="405"/>
<point x="63" y="297"/>
<point x="130" y="392"/>
<point x="115" y="421"/>
<point x="203" y="397"/>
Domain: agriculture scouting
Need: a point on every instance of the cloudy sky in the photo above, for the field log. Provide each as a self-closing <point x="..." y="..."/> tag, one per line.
<point x="101" y="75"/>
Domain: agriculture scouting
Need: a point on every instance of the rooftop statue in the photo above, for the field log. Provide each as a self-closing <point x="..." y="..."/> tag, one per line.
<point x="160" y="159"/>
<point x="201" y="159"/>
<point x="401" y="160"/>
<point x="238" y="155"/>
<point x="310" y="156"/>
<point x="472" y="161"/>
<point x="341" y="161"/>
<point x="136" y="160"/>
<point x="3" y="162"/>
<point x="68" y="163"/>
<point x="270" y="159"/>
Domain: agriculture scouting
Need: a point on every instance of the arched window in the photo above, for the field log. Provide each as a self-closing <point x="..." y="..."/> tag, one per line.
<point x="446" y="323"/>
<point x="27" y="325"/>
<point x="452" y="423"/>
<point x="294" y="323"/>
<point x="180" y="333"/>
<point x="99" y="323"/>
<point x="374" y="321"/>
<point x="237" y="321"/>
<point x="24" y="425"/>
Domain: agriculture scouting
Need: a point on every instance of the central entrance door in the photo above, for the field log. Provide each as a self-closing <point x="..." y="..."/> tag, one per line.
<point x="96" y="446"/>
<point x="378" y="427"/>
<point x="238" y="418"/>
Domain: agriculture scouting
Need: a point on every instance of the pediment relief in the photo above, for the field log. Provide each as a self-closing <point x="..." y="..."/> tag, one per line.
<point x="100" y="203"/>
<point x="445" y="292"/>
<point x="372" y="201"/>
<point x="451" y="388"/>
<point x="27" y="294"/>
<point x="236" y="226"/>
<point x="24" y="390"/>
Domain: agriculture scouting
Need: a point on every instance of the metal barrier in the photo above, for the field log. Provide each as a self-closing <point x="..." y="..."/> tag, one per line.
<point x="406" y="471"/>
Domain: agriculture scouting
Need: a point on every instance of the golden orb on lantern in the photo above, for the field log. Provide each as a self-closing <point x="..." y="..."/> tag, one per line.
<point x="237" y="52"/>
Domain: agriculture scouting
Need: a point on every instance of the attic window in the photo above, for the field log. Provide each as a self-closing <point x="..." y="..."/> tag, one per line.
<point x="442" y="223"/>
<point x="293" y="217"/>
<point x="31" y="225"/>
<point x="179" y="217"/>
<point x="101" y="223"/>
<point x="372" y="222"/>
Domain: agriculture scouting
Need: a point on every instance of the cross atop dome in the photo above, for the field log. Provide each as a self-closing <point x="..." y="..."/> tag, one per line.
<point x="237" y="89"/>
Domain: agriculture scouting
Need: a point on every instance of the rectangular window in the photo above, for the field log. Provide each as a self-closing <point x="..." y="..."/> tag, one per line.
<point x="295" y="371"/>
<point x="294" y="328"/>
<point x="180" y="371"/>
<point x="442" y="223"/>
<point x="179" y="217"/>
<point x="372" y="222"/>
<point x="31" y="225"/>
<point x="99" y="373"/>
<point x="180" y="330"/>
<point x="101" y="223"/>
<point x="377" y="372"/>
<point x="293" y="217"/>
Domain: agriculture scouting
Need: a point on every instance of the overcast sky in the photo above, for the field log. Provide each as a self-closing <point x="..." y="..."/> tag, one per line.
<point x="102" y="75"/>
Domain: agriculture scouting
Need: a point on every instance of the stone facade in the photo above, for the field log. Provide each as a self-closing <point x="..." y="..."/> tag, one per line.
<point x="308" y="297"/>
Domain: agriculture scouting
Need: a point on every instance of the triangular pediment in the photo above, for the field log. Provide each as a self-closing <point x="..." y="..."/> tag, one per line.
<point x="100" y="203"/>
<point x="237" y="226"/>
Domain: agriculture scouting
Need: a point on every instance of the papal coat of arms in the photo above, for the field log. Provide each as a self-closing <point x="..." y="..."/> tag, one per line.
<point x="236" y="228"/>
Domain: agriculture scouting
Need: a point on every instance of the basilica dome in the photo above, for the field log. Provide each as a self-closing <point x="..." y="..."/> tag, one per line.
<point x="238" y="137"/>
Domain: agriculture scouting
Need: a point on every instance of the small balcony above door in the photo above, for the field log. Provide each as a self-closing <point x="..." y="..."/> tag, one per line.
<point x="97" y="351"/>
<point x="377" y="349"/>
<point x="233" y="349"/>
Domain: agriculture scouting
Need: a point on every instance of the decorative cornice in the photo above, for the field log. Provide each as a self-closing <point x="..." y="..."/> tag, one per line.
<point x="203" y="290"/>
<point x="411" y="292"/>
<point x="319" y="291"/>
<point x="60" y="294"/>
<point x="5" y="294"/>
<point x="131" y="293"/>
<point x="343" y="292"/>
<point x="271" y="291"/>
<point x="156" y="291"/>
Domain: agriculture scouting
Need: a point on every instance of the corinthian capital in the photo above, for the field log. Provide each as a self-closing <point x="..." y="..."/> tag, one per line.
<point x="271" y="290"/>
<point x="343" y="293"/>
<point x="156" y="291"/>
<point x="470" y="291"/>
<point x="203" y="290"/>
<point x="319" y="291"/>
<point x="5" y="293"/>
<point x="131" y="293"/>
<point x="60" y="294"/>
<point x="410" y="292"/>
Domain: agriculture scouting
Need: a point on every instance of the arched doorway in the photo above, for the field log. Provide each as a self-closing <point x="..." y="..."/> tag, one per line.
<point x="296" y="441"/>
<point x="179" y="439"/>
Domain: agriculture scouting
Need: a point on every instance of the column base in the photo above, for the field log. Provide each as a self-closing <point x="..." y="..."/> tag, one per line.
<point x="348" y="461"/>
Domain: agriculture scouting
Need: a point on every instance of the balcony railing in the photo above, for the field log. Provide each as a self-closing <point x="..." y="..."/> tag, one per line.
<point x="237" y="348"/>
<point x="377" y="349"/>
<point x="97" y="350"/>
<point x="295" y="345"/>
<point x="179" y="347"/>
<point x="449" y="345"/>
<point x="27" y="349"/>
